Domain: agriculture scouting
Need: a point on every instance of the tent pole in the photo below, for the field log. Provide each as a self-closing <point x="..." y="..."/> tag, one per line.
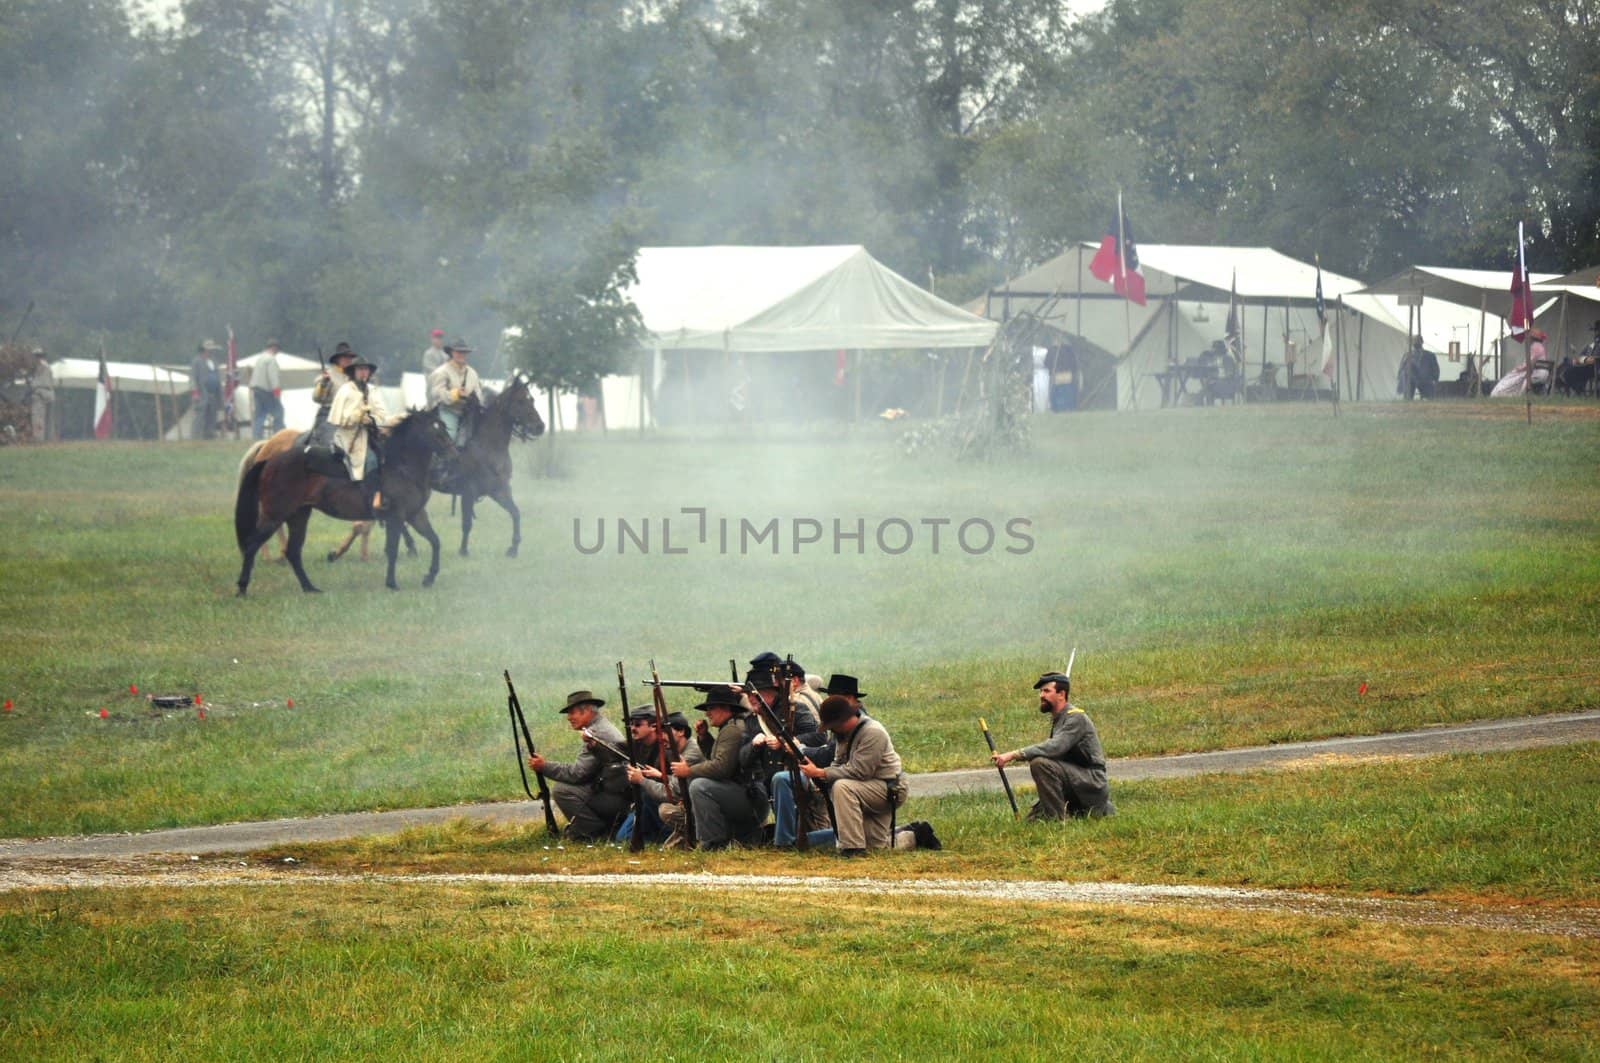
<point x="155" y="393"/>
<point x="856" y="362"/>
<point x="1483" y="316"/>
<point x="1361" y="355"/>
<point x="1265" y="308"/>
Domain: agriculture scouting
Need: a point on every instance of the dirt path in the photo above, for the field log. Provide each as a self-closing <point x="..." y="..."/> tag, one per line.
<point x="1563" y="921"/>
<point x="1486" y="736"/>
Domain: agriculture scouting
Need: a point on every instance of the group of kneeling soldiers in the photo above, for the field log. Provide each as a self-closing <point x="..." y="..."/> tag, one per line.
<point x="849" y="771"/>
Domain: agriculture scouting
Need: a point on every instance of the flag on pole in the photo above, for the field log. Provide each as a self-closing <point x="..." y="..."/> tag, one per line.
<point x="1322" y="326"/>
<point x="230" y="382"/>
<point x="1234" y="337"/>
<point x="1117" y="261"/>
<point x="1521" y="311"/>
<point x="102" y="400"/>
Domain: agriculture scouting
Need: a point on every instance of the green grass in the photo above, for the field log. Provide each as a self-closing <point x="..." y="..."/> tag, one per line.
<point x="1229" y="576"/>
<point x="1489" y="827"/>
<point x="539" y="971"/>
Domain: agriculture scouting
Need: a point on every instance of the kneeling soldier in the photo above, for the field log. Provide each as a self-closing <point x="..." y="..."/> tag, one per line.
<point x="592" y="790"/>
<point x="663" y="814"/>
<point x="1069" y="767"/>
<point x="864" y="782"/>
<point x="729" y="803"/>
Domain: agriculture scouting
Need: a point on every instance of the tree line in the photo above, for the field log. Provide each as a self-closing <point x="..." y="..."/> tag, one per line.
<point x="368" y="169"/>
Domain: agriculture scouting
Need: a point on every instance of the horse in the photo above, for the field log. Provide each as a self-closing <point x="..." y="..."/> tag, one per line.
<point x="484" y="465"/>
<point x="284" y="489"/>
<point x="275" y="444"/>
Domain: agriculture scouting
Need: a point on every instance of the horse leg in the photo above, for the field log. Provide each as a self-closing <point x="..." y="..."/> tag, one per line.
<point x="339" y="551"/>
<point x="391" y="550"/>
<point x="297" y="541"/>
<point x="466" y="521"/>
<point x="411" y="545"/>
<point x="502" y="495"/>
<point x="419" y="520"/>
<point x="258" y="536"/>
<point x="365" y="528"/>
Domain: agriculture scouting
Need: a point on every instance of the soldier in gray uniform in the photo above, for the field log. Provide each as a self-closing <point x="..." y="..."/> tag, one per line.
<point x="1069" y="767"/>
<point x="592" y="790"/>
<point x="730" y="804"/>
<point x="668" y="813"/>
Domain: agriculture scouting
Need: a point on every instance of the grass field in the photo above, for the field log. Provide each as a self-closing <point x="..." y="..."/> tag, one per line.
<point x="481" y="971"/>
<point x="1229" y="577"/>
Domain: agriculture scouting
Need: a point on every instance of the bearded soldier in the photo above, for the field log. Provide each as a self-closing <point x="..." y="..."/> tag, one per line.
<point x="1069" y="767"/>
<point x="591" y="791"/>
<point x="730" y="804"/>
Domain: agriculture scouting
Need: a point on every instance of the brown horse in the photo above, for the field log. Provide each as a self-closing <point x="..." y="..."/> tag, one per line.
<point x="484" y="465"/>
<point x="271" y="447"/>
<point x="284" y="489"/>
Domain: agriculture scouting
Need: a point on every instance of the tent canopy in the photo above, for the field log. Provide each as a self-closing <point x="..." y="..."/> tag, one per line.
<point x="791" y="299"/>
<point x="1588" y="277"/>
<point x="1486" y="289"/>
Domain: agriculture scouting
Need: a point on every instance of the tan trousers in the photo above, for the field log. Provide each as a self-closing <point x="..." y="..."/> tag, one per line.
<point x="861" y="813"/>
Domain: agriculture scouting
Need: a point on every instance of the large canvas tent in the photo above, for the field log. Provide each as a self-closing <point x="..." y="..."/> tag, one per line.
<point x="759" y="299"/>
<point x="1188" y="289"/>
<point x="1486" y="291"/>
<point x="1572" y="319"/>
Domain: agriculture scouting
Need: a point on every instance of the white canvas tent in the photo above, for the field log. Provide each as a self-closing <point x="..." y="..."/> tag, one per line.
<point x="1572" y="319"/>
<point x="1187" y="294"/>
<point x="1483" y="293"/>
<point x="755" y="299"/>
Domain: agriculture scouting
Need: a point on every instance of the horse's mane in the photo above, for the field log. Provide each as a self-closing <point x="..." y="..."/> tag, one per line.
<point x="406" y="432"/>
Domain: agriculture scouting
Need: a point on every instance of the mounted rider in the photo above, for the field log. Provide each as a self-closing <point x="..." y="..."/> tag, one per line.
<point x="358" y="411"/>
<point x="328" y="384"/>
<point x="454" y="390"/>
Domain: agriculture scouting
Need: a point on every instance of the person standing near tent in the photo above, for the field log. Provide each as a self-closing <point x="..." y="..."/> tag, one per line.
<point x="205" y="388"/>
<point x="42" y="398"/>
<point x="1419" y="372"/>
<point x="454" y="389"/>
<point x="434" y="354"/>
<point x="266" y="392"/>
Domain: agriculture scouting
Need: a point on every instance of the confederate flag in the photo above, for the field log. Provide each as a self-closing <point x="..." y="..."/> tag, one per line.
<point x="1521" y="311"/>
<point x="102" y="401"/>
<point x="1121" y="271"/>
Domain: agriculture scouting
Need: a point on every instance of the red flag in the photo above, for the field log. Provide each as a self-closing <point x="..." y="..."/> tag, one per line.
<point x="102" y="400"/>
<point x="1121" y="271"/>
<point x="1521" y="311"/>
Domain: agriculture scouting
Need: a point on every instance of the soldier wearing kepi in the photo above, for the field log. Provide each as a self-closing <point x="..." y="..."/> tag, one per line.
<point x="730" y="804"/>
<point x="1069" y="767"/>
<point x="667" y="812"/>
<point x="591" y="791"/>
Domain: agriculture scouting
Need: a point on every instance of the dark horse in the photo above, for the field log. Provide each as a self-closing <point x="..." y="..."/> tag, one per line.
<point x="284" y="489"/>
<point x="484" y="464"/>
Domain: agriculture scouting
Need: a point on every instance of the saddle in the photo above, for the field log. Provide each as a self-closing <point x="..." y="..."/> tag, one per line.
<point x="322" y="457"/>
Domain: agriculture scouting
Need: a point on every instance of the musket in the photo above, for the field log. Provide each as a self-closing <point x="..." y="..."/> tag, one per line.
<point x="660" y="701"/>
<point x="705" y="686"/>
<point x="987" y="737"/>
<point x="636" y="839"/>
<point x="520" y="721"/>
<point x="797" y="780"/>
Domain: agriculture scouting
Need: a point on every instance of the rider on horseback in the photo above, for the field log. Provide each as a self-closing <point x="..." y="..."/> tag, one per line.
<point x="454" y="390"/>
<point x="358" y="411"/>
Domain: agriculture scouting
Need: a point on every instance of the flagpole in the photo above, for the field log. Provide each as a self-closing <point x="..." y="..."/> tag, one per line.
<point x="1527" y="324"/>
<point x="1122" y="286"/>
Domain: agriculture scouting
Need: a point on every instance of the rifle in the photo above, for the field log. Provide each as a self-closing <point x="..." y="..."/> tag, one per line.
<point x="519" y="721"/>
<point x="987" y="737"/>
<point x="662" y="731"/>
<point x="636" y="839"/>
<point x="797" y="781"/>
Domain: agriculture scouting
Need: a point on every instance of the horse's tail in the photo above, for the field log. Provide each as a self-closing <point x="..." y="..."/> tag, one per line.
<point x="250" y="456"/>
<point x="247" y="504"/>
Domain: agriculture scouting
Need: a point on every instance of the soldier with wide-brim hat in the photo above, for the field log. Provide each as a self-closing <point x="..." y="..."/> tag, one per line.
<point x="356" y="412"/>
<point x="729" y="801"/>
<point x="845" y="686"/>
<point x="591" y="791"/>
<point x="1069" y="767"/>
<point x="327" y="384"/>
<point x="455" y="391"/>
